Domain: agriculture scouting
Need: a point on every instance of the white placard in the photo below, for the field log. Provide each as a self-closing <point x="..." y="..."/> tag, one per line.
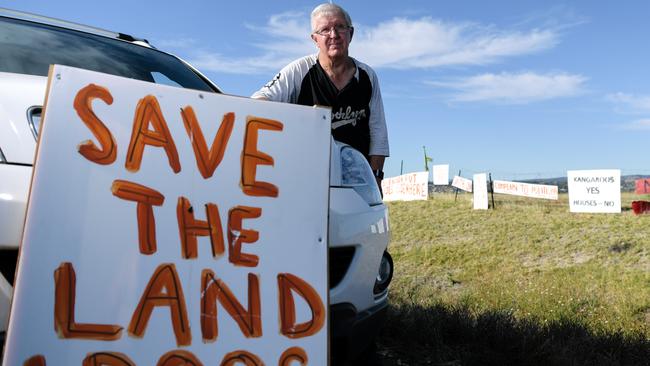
<point x="594" y="190"/>
<point x="525" y="189"/>
<point x="441" y="175"/>
<point x="406" y="187"/>
<point x="145" y="240"/>
<point x="462" y="183"/>
<point x="480" y="191"/>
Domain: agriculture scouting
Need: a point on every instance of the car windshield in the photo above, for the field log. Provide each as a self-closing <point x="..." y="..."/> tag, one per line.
<point x="30" y="48"/>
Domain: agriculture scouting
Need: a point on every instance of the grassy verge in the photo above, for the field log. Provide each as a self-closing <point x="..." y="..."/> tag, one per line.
<point x="526" y="284"/>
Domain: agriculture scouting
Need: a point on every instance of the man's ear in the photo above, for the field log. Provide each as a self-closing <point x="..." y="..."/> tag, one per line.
<point x="313" y="38"/>
<point x="351" y="32"/>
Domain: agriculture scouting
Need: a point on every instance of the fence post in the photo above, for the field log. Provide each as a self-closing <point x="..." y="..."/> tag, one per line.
<point x="492" y="191"/>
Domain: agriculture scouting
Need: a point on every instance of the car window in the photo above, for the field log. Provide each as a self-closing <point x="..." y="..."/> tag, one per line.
<point x="29" y="48"/>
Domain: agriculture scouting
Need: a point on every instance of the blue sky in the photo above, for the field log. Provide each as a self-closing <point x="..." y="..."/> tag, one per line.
<point x="520" y="89"/>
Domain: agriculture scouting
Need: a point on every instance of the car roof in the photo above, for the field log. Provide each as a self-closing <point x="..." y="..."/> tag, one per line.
<point x="21" y="15"/>
<point x="15" y="14"/>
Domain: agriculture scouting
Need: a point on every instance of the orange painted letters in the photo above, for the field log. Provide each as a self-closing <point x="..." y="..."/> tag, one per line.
<point x="38" y="360"/>
<point x="189" y="228"/>
<point x="107" y="359"/>
<point x="286" y="283"/>
<point x="164" y="289"/>
<point x="83" y="105"/>
<point x="241" y="357"/>
<point x="145" y="197"/>
<point x="179" y="358"/>
<point x="251" y="158"/>
<point x="65" y="283"/>
<point x="293" y="354"/>
<point x="148" y="112"/>
<point x="213" y="290"/>
<point x="207" y="161"/>
<point x="237" y="235"/>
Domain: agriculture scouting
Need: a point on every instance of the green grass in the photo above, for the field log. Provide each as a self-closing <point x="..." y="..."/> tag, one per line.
<point x="525" y="284"/>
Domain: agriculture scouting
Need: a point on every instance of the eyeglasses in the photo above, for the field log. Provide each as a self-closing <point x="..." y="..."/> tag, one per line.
<point x="338" y="29"/>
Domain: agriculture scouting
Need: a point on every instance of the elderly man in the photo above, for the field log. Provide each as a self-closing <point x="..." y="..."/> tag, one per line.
<point x="332" y="78"/>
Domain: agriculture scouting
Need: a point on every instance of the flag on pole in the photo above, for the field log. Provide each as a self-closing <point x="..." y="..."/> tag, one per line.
<point x="427" y="159"/>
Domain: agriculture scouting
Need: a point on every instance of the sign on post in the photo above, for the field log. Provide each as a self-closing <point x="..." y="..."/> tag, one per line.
<point x="441" y="175"/>
<point x="480" y="191"/>
<point x="170" y="226"/>
<point x="462" y="183"/>
<point x="594" y="190"/>
<point x="406" y="187"/>
<point x="642" y="186"/>
<point x="525" y="189"/>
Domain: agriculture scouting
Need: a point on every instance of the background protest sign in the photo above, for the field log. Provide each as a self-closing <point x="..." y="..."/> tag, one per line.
<point x="525" y="189"/>
<point x="480" y="191"/>
<point x="594" y="190"/>
<point x="462" y="183"/>
<point x="167" y="224"/>
<point x="642" y="186"/>
<point x="406" y="187"/>
<point x="441" y="175"/>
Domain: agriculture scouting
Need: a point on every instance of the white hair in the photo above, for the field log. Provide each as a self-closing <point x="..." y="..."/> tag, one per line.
<point x="329" y="9"/>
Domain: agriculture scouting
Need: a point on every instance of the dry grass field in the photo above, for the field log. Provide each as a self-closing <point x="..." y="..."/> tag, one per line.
<point x="527" y="283"/>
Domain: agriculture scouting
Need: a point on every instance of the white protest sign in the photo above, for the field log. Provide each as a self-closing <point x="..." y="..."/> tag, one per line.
<point x="480" y="191"/>
<point x="462" y="183"/>
<point x="406" y="187"/>
<point x="525" y="189"/>
<point x="168" y="225"/>
<point x="594" y="190"/>
<point x="441" y="175"/>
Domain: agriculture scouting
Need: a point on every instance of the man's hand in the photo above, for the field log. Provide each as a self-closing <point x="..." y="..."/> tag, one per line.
<point x="377" y="166"/>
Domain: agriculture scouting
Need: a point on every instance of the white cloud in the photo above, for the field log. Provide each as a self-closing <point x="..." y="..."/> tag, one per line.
<point x="640" y="124"/>
<point x="424" y="43"/>
<point x="269" y="62"/>
<point x="399" y="43"/>
<point x="514" y="88"/>
<point x="631" y="102"/>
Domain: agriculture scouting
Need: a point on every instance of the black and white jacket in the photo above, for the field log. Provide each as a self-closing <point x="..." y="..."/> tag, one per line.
<point x="357" y="110"/>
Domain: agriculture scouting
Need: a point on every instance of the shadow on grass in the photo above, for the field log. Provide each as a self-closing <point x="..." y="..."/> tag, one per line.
<point x="439" y="335"/>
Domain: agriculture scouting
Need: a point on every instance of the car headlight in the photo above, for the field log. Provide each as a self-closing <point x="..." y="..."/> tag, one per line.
<point x="356" y="173"/>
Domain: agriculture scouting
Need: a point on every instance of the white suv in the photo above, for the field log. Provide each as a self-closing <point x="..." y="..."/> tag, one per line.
<point x="360" y="268"/>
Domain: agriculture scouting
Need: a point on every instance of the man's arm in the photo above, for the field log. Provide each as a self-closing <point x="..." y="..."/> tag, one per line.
<point x="377" y="162"/>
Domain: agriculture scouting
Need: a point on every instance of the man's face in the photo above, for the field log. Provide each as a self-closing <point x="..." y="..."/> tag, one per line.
<point x="331" y="42"/>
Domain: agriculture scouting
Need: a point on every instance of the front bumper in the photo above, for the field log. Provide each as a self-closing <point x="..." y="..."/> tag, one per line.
<point x="14" y="188"/>
<point x="352" y="332"/>
<point x="356" y="225"/>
